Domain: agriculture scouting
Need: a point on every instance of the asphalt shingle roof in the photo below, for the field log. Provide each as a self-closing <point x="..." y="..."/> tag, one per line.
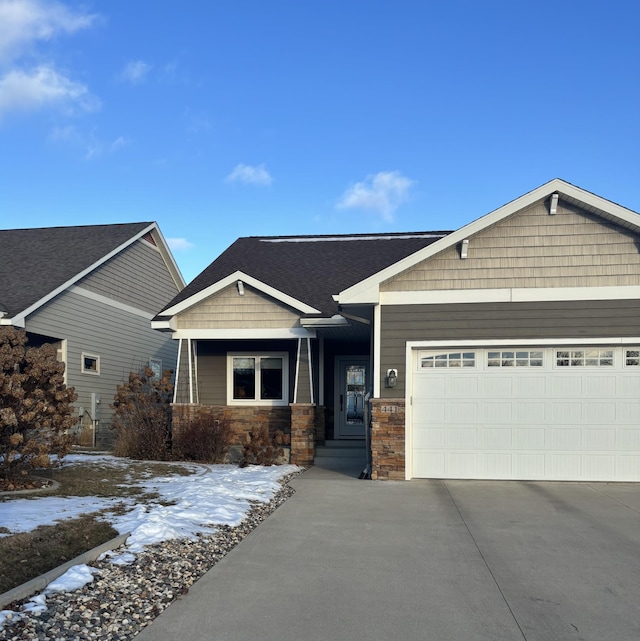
<point x="34" y="262"/>
<point x="310" y="268"/>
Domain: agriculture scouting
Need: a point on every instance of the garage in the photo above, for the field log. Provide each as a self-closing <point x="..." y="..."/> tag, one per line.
<point x="525" y="411"/>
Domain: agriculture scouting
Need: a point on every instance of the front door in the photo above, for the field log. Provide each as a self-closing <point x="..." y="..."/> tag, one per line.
<point x="351" y="388"/>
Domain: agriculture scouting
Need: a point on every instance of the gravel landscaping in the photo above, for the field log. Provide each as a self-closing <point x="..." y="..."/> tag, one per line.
<point x="123" y="599"/>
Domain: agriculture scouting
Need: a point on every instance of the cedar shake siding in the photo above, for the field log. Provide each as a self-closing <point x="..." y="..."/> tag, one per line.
<point x="137" y="276"/>
<point x="228" y="310"/>
<point x="572" y="248"/>
<point x="478" y="321"/>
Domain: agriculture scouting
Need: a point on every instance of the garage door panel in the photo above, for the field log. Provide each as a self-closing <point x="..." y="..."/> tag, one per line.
<point x="628" y="439"/>
<point x="461" y="438"/>
<point x="527" y="412"/>
<point x="549" y="421"/>
<point x="598" y="467"/>
<point x="529" y="386"/>
<point x="532" y="438"/>
<point x="629" y="412"/>
<point x="599" y="438"/>
<point x="497" y="412"/>
<point x="528" y="465"/>
<point x="599" y="386"/>
<point x="564" y="386"/>
<point x="565" y="412"/>
<point x="497" y="387"/>
<point x="495" y="438"/>
<point x="458" y="412"/>
<point x="600" y="412"/>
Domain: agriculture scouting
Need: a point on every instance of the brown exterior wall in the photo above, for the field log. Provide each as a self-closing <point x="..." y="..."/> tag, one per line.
<point x="478" y="321"/>
<point x="572" y="248"/>
<point x="387" y="439"/>
<point x="228" y="310"/>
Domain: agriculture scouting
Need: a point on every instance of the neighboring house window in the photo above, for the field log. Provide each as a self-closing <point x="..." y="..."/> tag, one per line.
<point x="155" y="365"/>
<point x="449" y="359"/>
<point x="90" y="364"/>
<point x="632" y="357"/>
<point x="584" y="358"/>
<point x="258" y="379"/>
<point x="510" y="358"/>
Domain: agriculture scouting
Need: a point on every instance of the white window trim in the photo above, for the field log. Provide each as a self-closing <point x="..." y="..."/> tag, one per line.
<point x="252" y="401"/>
<point x="566" y="368"/>
<point x="89" y="371"/>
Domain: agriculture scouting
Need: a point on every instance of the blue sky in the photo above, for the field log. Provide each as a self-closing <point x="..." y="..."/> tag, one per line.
<point x="229" y="118"/>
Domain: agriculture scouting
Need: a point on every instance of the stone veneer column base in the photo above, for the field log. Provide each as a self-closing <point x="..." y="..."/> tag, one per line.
<point x="303" y="433"/>
<point x="387" y="439"/>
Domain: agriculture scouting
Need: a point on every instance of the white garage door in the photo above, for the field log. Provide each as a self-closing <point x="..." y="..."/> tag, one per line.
<point x="561" y="413"/>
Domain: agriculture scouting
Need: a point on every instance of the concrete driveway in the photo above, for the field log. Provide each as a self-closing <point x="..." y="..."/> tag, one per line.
<point x="445" y="560"/>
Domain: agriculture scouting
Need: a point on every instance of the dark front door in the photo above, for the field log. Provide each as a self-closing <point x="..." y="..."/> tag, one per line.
<point x="351" y="388"/>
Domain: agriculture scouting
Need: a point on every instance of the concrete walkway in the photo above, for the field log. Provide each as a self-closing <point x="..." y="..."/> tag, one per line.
<point x="346" y="559"/>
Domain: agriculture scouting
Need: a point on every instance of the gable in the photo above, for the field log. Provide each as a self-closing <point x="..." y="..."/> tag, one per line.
<point x="137" y="276"/>
<point x="227" y="309"/>
<point x="531" y="248"/>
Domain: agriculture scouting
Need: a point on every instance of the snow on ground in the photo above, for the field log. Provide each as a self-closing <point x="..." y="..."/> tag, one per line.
<point x="185" y="506"/>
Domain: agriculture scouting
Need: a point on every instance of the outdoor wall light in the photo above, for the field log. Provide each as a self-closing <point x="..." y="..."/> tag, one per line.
<point x="392" y="377"/>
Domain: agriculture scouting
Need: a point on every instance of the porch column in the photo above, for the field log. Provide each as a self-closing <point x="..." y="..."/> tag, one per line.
<point x="303" y="428"/>
<point x="387" y="439"/>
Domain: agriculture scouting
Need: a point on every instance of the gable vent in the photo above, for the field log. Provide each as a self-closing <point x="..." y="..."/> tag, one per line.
<point x="553" y="207"/>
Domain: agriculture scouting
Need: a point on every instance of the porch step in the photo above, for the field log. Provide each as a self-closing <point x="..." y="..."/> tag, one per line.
<point x="339" y="454"/>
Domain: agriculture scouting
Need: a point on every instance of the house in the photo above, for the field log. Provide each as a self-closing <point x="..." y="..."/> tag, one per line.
<point x="507" y="349"/>
<point x="92" y="291"/>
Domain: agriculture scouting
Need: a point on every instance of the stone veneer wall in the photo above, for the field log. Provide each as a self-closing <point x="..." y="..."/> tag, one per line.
<point x="241" y="420"/>
<point x="387" y="439"/>
<point x="303" y="421"/>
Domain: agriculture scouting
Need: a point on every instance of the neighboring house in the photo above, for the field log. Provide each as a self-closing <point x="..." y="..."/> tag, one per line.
<point x="508" y="349"/>
<point x="91" y="291"/>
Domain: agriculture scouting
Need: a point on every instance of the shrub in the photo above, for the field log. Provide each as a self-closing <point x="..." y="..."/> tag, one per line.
<point x="35" y="405"/>
<point x="263" y="449"/>
<point x="142" y="416"/>
<point x="204" y="439"/>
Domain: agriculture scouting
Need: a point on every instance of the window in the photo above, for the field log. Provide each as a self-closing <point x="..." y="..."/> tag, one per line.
<point x="90" y="364"/>
<point x="155" y="365"/>
<point x="258" y="379"/>
<point x="584" y="358"/>
<point x="632" y="357"/>
<point x="449" y="359"/>
<point x="517" y="358"/>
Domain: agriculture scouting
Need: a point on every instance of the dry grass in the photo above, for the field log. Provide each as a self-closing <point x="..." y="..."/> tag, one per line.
<point x="29" y="554"/>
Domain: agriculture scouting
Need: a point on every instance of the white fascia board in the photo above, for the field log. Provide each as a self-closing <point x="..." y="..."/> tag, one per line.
<point x="169" y="260"/>
<point x="522" y="342"/>
<point x="510" y="295"/>
<point x="16" y="321"/>
<point x="356" y="292"/>
<point x="169" y="324"/>
<point x="245" y="334"/>
<point x="247" y="280"/>
<point x="83" y="273"/>
<point x="335" y="321"/>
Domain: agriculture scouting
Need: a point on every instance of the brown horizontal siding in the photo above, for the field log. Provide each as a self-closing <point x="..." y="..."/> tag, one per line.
<point x="533" y="249"/>
<point x="572" y="319"/>
<point x="212" y="379"/>
<point x="228" y="309"/>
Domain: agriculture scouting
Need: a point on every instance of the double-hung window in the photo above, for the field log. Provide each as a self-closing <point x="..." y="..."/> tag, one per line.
<point x="258" y="379"/>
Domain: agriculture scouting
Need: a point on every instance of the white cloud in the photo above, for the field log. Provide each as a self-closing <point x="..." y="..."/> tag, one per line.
<point x="41" y="87"/>
<point x="249" y="175"/>
<point x="118" y="143"/>
<point x="135" y="71"/>
<point x="179" y="244"/>
<point x="25" y="83"/>
<point x="23" y="22"/>
<point x="383" y="193"/>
